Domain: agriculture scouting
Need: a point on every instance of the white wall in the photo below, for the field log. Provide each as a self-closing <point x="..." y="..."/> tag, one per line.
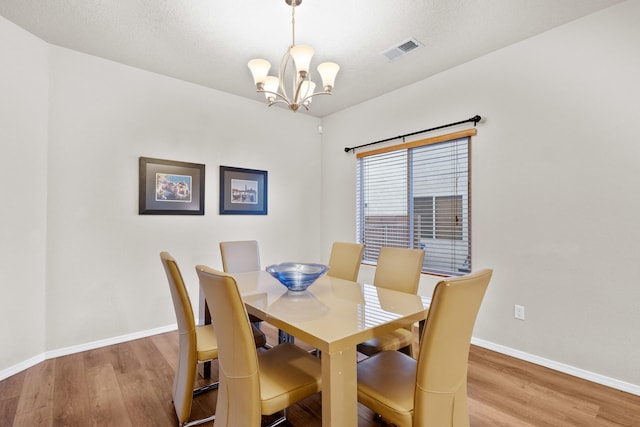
<point x="23" y="168"/>
<point x="555" y="187"/>
<point x="102" y="256"/>
<point x="79" y="265"/>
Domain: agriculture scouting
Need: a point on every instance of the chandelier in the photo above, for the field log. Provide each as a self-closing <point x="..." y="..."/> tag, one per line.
<point x="302" y="88"/>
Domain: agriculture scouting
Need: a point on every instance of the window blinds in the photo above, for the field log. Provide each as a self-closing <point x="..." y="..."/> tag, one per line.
<point x="417" y="195"/>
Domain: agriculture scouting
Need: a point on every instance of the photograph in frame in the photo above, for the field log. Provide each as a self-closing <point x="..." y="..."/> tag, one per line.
<point x="243" y="191"/>
<point x="168" y="187"/>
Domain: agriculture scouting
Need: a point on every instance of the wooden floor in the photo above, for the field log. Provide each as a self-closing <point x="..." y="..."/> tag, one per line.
<point x="129" y="384"/>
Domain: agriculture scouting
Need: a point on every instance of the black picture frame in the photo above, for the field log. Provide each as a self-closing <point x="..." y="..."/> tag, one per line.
<point x="243" y="191"/>
<point x="168" y="187"/>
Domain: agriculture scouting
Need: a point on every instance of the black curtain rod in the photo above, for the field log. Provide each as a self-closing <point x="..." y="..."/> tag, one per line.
<point x="475" y="119"/>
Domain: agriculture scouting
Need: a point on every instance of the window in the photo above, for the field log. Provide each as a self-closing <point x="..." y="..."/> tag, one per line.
<point x="438" y="217"/>
<point x="416" y="195"/>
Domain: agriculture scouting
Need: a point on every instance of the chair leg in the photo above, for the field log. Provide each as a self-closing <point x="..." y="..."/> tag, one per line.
<point x="206" y="388"/>
<point x="285" y="337"/>
<point x="200" y="421"/>
<point x="280" y="420"/>
<point x="197" y="392"/>
<point x="266" y="345"/>
<point x="408" y="350"/>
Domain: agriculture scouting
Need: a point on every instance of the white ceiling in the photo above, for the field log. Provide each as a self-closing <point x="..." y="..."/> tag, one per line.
<point x="209" y="42"/>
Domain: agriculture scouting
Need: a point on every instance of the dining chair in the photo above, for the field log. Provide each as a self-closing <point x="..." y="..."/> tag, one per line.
<point x="241" y="256"/>
<point x="397" y="269"/>
<point x="196" y="344"/>
<point x="430" y="391"/>
<point x="252" y="383"/>
<point x="345" y="259"/>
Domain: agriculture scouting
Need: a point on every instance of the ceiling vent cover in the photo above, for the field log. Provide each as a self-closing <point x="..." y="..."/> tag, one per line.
<point x="402" y="49"/>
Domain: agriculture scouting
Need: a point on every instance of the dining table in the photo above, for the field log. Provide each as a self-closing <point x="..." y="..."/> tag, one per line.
<point x="333" y="316"/>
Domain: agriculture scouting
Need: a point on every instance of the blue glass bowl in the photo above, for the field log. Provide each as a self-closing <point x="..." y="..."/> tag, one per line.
<point x="297" y="276"/>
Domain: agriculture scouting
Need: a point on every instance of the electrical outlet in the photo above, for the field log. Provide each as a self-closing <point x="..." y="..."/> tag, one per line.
<point x="518" y="312"/>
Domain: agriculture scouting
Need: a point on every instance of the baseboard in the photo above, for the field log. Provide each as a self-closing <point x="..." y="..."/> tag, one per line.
<point x="108" y="341"/>
<point x="12" y="370"/>
<point x="560" y="367"/>
<point x="24" y="365"/>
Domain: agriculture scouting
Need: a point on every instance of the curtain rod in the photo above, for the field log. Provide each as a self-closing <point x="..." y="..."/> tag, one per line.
<point x="475" y="119"/>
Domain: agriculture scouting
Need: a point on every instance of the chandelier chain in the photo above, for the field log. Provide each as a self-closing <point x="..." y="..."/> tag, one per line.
<point x="293" y="24"/>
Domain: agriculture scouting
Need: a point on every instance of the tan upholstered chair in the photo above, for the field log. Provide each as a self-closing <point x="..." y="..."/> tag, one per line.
<point x="252" y="384"/>
<point x="432" y="391"/>
<point x="345" y="259"/>
<point x="241" y="256"/>
<point x="196" y="344"/>
<point x="398" y="269"/>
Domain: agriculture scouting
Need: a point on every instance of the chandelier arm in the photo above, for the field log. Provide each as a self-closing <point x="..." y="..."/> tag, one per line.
<point x="282" y="98"/>
<point x="282" y="73"/>
<point x="297" y="91"/>
<point x="325" y="92"/>
<point x="278" y="101"/>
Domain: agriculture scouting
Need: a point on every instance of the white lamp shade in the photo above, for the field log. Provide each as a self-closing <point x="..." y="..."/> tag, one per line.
<point x="306" y="89"/>
<point x="328" y="72"/>
<point x="301" y="55"/>
<point x="271" y="85"/>
<point x="259" y="68"/>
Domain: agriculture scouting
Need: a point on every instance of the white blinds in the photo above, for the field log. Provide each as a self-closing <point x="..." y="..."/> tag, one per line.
<point x="417" y="196"/>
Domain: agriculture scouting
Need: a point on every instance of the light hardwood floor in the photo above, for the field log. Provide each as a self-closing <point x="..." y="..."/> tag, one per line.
<point x="129" y="384"/>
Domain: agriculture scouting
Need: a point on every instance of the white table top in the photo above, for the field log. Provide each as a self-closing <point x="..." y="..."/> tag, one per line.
<point x="332" y="311"/>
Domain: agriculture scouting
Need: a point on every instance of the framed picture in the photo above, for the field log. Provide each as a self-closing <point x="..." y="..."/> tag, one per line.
<point x="170" y="188"/>
<point x="243" y="191"/>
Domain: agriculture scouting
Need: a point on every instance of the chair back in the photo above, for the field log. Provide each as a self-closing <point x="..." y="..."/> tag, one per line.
<point x="240" y="256"/>
<point x="399" y="269"/>
<point x="239" y="390"/>
<point x="345" y="259"/>
<point x="187" y="360"/>
<point x="441" y="380"/>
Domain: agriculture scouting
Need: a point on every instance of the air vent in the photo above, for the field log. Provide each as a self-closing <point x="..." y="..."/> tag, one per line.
<point x="402" y="49"/>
